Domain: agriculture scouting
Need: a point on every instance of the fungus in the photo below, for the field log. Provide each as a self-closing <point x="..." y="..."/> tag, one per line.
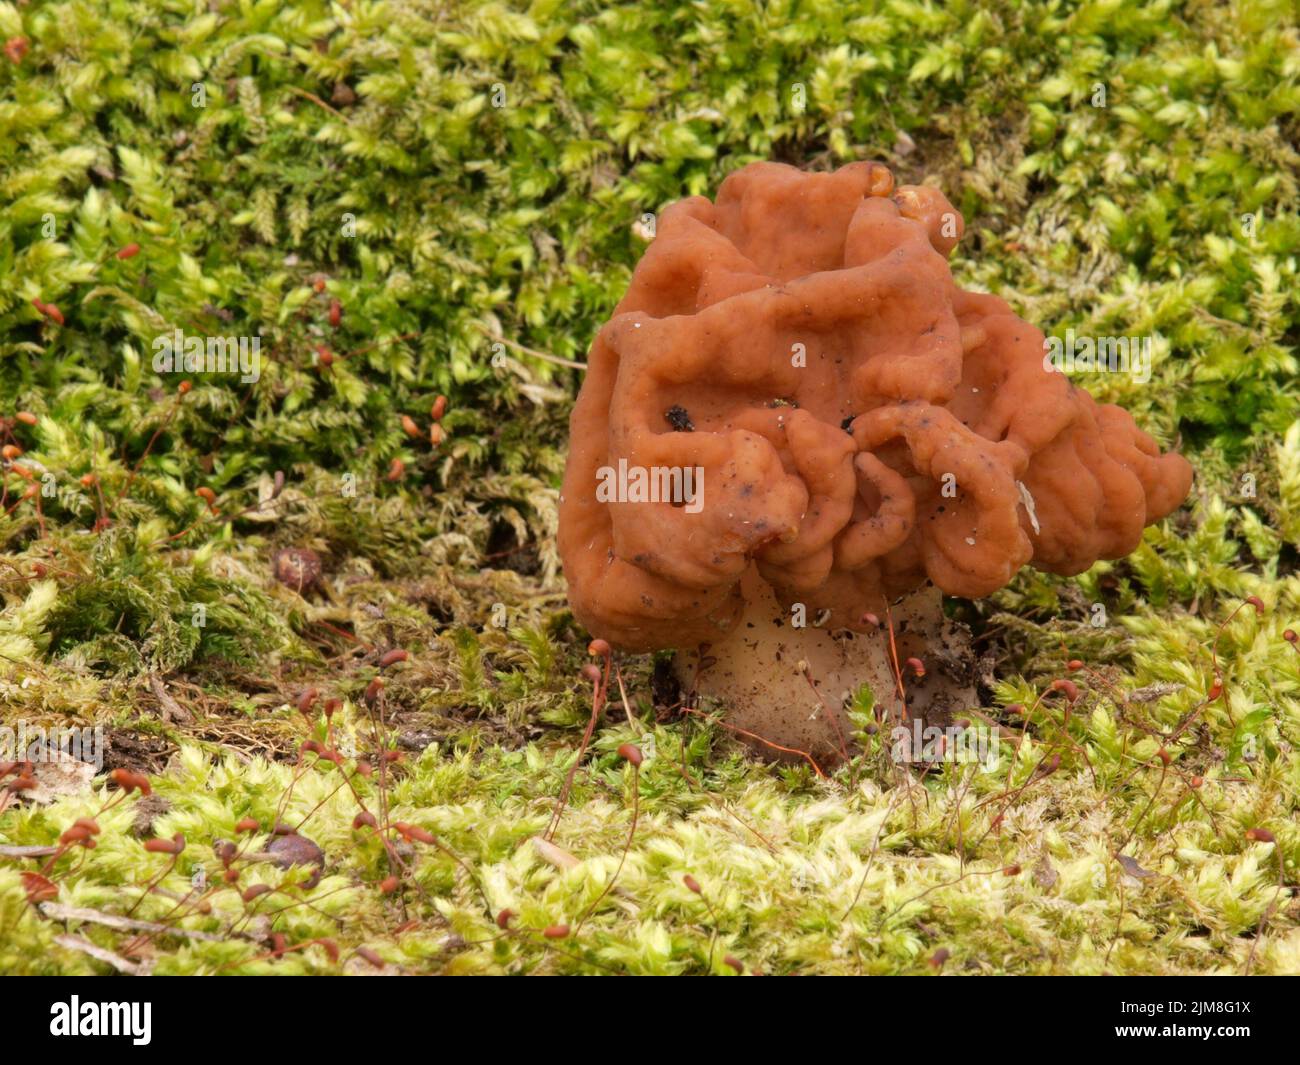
<point x="795" y="424"/>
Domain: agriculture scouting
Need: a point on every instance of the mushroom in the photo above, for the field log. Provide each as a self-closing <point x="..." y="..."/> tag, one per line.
<point x="795" y="420"/>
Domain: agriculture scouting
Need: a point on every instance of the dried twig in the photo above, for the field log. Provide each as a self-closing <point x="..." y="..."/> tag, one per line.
<point x="58" y="912"/>
<point x="106" y="956"/>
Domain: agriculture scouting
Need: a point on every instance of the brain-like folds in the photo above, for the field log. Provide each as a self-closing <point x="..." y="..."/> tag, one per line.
<point x="859" y="423"/>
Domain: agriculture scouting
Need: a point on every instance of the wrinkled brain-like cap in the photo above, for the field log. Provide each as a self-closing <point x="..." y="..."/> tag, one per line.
<point x="793" y="381"/>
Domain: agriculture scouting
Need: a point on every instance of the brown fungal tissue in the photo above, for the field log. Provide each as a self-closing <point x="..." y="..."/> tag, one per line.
<point x="794" y="393"/>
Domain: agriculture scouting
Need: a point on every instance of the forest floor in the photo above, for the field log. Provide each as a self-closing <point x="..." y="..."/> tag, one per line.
<point x="336" y="652"/>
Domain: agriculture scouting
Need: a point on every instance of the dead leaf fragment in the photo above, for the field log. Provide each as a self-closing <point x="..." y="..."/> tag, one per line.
<point x="556" y="856"/>
<point x="62" y="776"/>
<point x="1131" y="867"/>
<point x="171" y="710"/>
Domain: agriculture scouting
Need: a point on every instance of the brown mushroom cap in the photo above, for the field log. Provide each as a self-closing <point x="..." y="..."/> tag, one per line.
<point x="862" y="424"/>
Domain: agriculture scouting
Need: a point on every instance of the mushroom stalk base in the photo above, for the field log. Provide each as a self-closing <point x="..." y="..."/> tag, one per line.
<point x="784" y="688"/>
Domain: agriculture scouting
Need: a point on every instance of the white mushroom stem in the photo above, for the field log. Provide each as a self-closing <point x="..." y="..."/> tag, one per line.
<point x="783" y="689"/>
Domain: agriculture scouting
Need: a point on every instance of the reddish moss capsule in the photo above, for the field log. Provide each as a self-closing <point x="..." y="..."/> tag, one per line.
<point x="49" y="310"/>
<point x="324" y="357"/>
<point x="247" y="824"/>
<point x="869" y="619"/>
<point x="1216" y="689"/>
<point x="1196" y="782"/>
<point x="393" y="657"/>
<point x="1074" y="665"/>
<point x="1257" y="603"/>
<point x="592" y="673"/>
<point x="1259" y="835"/>
<point x="75" y="834"/>
<point x="373" y="690"/>
<point x="396" y="470"/>
<point x="365" y="819"/>
<point x="556" y="931"/>
<point x="129" y="781"/>
<point x="598" y="648"/>
<point x="175" y="845"/>
<point x="336" y="313"/>
<point x="438" y="409"/>
<point x="26" y="417"/>
<point x="504" y="918"/>
<point x="388" y="885"/>
<point x="370" y="956"/>
<point x="129" y="252"/>
<point x="256" y="891"/>
<point x="631" y="752"/>
<point x="916" y="666"/>
<point x="692" y="884"/>
<point x="1067" y="688"/>
<point x="409" y="427"/>
<point x="184" y="387"/>
<point x="1163" y="755"/>
<point x="413" y="832"/>
<point x="734" y="963"/>
<point x="1290" y="636"/>
<point x="1011" y="870"/>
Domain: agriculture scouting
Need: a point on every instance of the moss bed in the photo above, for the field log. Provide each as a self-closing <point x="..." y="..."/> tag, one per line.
<point x="406" y="200"/>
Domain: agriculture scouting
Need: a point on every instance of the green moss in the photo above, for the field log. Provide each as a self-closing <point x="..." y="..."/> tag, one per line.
<point x="473" y="174"/>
